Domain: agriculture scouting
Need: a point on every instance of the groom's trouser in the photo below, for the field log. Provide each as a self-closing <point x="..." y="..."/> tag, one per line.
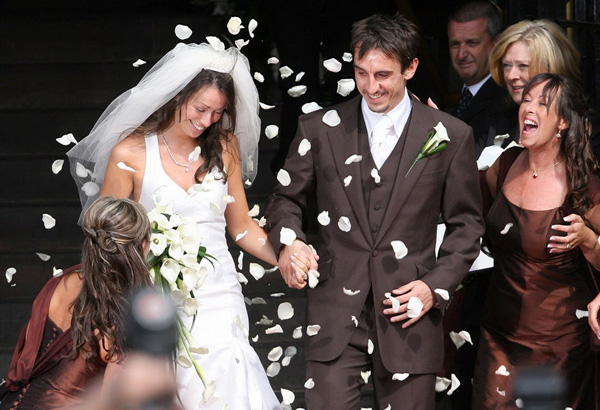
<point x="338" y="382"/>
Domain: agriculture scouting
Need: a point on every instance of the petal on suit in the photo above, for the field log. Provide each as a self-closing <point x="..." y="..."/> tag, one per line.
<point x="506" y="228"/>
<point x="400" y="249"/>
<point x="400" y="376"/>
<point x="274" y="329"/>
<point x="344" y="224"/>
<point x="256" y="270"/>
<point x="351" y="292"/>
<point x="502" y="371"/>
<point x="310" y="107"/>
<point x="354" y="320"/>
<point x="347" y="180"/>
<point x="375" y="175"/>
<point x="454" y="384"/>
<point x="323" y="218"/>
<point x="395" y="302"/>
<point x="285" y="311"/>
<point x="273" y="369"/>
<point x="443" y="293"/>
<point x="365" y="375"/>
<point x="304" y="147"/>
<point x="370" y="346"/>
<point x="581" y="313"/>
<point x="265" y="321"/>
<point x="287" y="236"/>
<point x="353" y="158"/>
<point x="275" y="354"/>
<point x="414" y="307"/>
<point x="309" y="384"/>
<point x="287" y="396"/>
<point x="332" y="118"/>
<point x="284" y="177"/>
<point x="312" y="330"/>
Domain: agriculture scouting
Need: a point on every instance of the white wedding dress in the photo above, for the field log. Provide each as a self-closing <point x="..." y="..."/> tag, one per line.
<point x="221" y="323"/>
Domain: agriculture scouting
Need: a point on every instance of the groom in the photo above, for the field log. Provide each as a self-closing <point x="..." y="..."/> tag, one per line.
<point x="378" y="228"/>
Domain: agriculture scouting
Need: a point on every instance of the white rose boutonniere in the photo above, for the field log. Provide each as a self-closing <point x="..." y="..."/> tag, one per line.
<point x="436" y="141"/>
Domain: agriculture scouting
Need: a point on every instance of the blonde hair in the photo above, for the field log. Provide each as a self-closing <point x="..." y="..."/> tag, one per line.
<point x="550" y="48"/>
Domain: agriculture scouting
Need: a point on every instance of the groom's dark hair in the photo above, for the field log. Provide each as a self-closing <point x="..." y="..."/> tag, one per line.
<point x="395" y="35"/>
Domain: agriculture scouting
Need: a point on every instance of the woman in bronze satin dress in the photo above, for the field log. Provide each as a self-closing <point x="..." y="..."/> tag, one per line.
<point x="76" y="330"/>
<point x="542" y="228"/>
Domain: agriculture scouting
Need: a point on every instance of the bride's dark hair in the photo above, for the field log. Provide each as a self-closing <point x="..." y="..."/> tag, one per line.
<point x="211" y="139"/>
<point x="113" y="265"/>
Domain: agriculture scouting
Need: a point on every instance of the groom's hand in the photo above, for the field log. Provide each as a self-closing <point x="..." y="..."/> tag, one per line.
<point x="294" y="262"/>
<point x="416" y="288"/>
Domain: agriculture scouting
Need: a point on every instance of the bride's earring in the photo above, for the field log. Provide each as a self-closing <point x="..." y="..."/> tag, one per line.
<point x="558" y="136"/>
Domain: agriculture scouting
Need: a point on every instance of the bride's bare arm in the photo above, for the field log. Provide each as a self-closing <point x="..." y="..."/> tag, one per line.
<point x="121" y="181"/>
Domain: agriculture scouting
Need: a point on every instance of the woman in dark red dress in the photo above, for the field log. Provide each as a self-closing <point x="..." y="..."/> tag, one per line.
<point x="542" y="229"/>
<point x="76" y="330"/>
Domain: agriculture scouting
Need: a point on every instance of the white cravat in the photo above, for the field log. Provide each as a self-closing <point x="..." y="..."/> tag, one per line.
<point x="383" y="140"/>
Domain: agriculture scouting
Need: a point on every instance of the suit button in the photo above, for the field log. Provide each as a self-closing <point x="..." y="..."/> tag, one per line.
<point x="374" y="228"/>
<point x="377" y="207"/>
<point x="375" y="253"/>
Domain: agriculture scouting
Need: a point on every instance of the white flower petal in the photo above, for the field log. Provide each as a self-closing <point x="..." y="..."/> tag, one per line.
<point x="258" y="301"/>
<point x="256" y="270"/>
<point x="274" y="329"/>
<point x="259" y="77"/>
<point x="285" y="311"/>
<point x="262" y="222"/>
<point x="82" y="171"/>
<point x="400" y="249"/>
<point x="57" y="166"/>
<point x="354" y="320"/>
<point x="454" y="384"/>
<point x="290" y="351"/>
<point x="365" y="375"/>
<point x="310" y="107"/>
<point x="251" y="27"/>
<point x="234" y="25"/>
<point x="266" y="106"/>
<point x="56" y="272"/>
<point x="240" y="261"/>
<point x="304" y="147"/>
<point x="255" y="339"/>
<point x="242" y="279"/>
<point x="347" y="180"/>
<point x="182" y="31"/>
<point x="287" y="396"/>
<point x="277" y="294"/>
<point x="332" y="65"/>
<point x="228" y="199"/>
<point x="297" y="333"/>
<point x="272" y="60"/>
<point x="350" y="292"/>
<point x="395" y="302"/>
<point x="375" y="175"/>
<point x="506" y="228"/>
<point x="345" y="86"/>
<point x="195" y="154"/>
<point x="502" y="371"/>
<point x="241" y="43"/>
<point x="443" y="293"/>
<point x="313" y="278"/>
<point x="347" y="57"/>
<point x="285" y="71"/>
<point x="271" y="131"/>
<point x="309" y="384"/>
<point x="265" y="321"/>
<point x="67" y="139"/>
<point x="254" y="211"/>
<point x="284" y="177"/>
<point x="353" y="158"/>
<point x="43" y="256"/>
<point x="9" y="274"/>
<point x="124" y="167"/>
<point x="240" y="235"/>
<point x="499" y="139"/>
<point x="581" y="313"/>
<point x="273" y="369"/>
<point x="332" y="118"/>
<point x="344" y="224"/>
<point x="216" y="44"/>
<point x="312" y="330"/>
<point x="90" y="188"/>
<point x="400" y="376"/>
<point x="388" y="407"/>
<point x="49" y="221"/>
<point x="138" y="62"/>
<point x="457" y="339"/>
<point x="466" y="335"/>
<point x="441" y="384"/>
<point x="299" y="76"/>
<point x="297" y="91"/>
<point x="323" y="218"/>
<point x="500" y="392"/>
<point x="287" y="236"/>
<point x="414" y="307"/>
<point x="170" y="269"/>
<point x="275" y="354"/>
<point x="370" y="346"/>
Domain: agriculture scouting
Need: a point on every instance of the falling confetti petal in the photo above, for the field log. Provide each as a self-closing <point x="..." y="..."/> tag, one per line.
<point x="313" y="278"/>
<point x="90" y="188"/>
<point x="67" y="139"/>
<point x="241" y="43"/>
<point x="285" y="311"/>
<point x="331" y="118"/>
<point x="251" y="27"/>
<point x="502" y="371"/>
<point x="285" y="71"/>
<point x="273" y="369"/>
<point x="395" y="302"/>
<point x="375" y="175"/>
<point x="124" y="167"/>
<point x="345" y="86"/>
<point x="234" y="25"/>
<point x="370" y="346"/>
<point x="441" y="384"/>
<point x="284" y="177"/>
<point x="454" y="384"/>
<point x="275" y="354"/>
<point x="195" y="154"/>
<point x="81" y="171"/>
<point x="138" y="62"/>
<point x="466" y="335"/>
<point x="287" y="236"/>
<point x="344" y="224"/>
<point x="290" y="351"/>
<point x="287" y="396"/>
<point x="240" y="235"/>
<point x="256" y="270"/>
<point x="310" y="107"/>
<point x="458" y="339"/>
<point x="354" y="320"/>
<point x="414" y="307"/>
<point x="258" y="301"/>
<point x="297" y="333"/>
<point x="49" y="221"/>
<point x="259" y="77"/>
<point x="365" y="375"/>
<point x="265" y="321"/>
<point x="216" y="44"/>
<point x="443" y="293"/>
<point x="273" y="60"/>
<point x="57" y="165"/>
<point x="299" y="76"/>
<point x="312" y="330"/>
<point x="242" y="279"/>
<point x="274" y="329"/>
<point x="323" y="218"/>
<point x="9" y="274"/>
<point x="183" y="32"/>
<point x="44" y="257"/>
<point x="350" y="292"/>
<point x="581" y="313"/>
<point x="266" y="106"/>
<point x="332" y="65"/>
<point x="271" y="131"/>
<point x="389" y="407"/>
<point x="228" y="199"/>
<point x="254" y="211"/>
<point x="304" y="147"/>
<point x="277" y="295"/>
<point x="353" y="158"/>
<point x="309" y="384"/>
<point x="347" y="57"/>
<point x="297" y="90"/>
<point x="400" y="376"/>
<point x="400" y="249"/>
<point x="347" y="180"/>
<point x="255" y="339"/>
<point x="55" y="271"/>
<point x="506" y="228"/>
<point x="500" y="392"/>
<point x="262" y="222"/>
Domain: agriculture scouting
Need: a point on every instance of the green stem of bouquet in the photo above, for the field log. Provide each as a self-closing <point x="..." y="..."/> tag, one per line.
<point x="183" y="334"/>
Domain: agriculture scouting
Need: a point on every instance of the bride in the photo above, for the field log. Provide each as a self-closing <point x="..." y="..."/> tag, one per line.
<point x="188" y="134"/>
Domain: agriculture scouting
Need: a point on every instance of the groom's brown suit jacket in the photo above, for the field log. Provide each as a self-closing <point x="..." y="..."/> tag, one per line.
<point x="363" y="259"/>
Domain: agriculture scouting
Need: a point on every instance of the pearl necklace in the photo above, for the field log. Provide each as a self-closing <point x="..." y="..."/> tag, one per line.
<point x="186" y="166"/>
<point x="537" y="171"/>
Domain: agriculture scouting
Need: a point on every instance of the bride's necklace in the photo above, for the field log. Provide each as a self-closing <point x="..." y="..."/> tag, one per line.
<point x="536" y="172"/>
<point x="186" y="166"/>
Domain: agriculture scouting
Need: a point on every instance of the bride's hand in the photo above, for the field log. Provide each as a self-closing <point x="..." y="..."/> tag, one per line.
<point x="294" y="262"/>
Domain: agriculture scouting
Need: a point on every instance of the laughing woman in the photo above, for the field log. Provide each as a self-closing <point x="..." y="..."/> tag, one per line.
<point x="543" y="230"/>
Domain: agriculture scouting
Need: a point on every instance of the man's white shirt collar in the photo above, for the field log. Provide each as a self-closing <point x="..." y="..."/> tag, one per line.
<point x="477" y="86"/>
<point x="399" y="115"/>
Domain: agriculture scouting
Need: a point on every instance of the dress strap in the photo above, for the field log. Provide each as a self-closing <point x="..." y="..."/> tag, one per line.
<point x="507" y="158"/>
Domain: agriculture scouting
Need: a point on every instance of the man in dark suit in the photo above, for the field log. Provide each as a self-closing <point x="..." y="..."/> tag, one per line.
<point x="378" y="221"/>
<point x="472" y="31"/>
